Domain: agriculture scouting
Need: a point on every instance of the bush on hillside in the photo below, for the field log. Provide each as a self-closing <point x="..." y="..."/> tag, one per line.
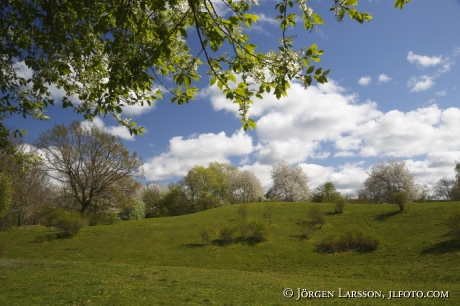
<point x="401" y="199"/>
<point x="69" y="222"/>
<point x="352" y="241"/>
<point x="132" y="209"/>
<point x="206" y="235"/>
<point x="340" y="205"/>
<point x="316" y="216"/>
<point x="249" y="232"/>
<point x="453" y="223"/>
<point x="226" y="234"/>
<point x="268" y="213"/>
<point x="243" y="211"/>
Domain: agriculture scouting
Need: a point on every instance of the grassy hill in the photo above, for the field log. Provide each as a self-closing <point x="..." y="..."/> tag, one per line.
<point x="165" y="262"/>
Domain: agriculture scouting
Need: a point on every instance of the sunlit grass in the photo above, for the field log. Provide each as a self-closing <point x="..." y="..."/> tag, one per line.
<point x="164" y="261"/>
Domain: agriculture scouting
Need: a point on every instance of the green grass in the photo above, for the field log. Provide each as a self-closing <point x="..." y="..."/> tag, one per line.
<point x="165" y="262"/>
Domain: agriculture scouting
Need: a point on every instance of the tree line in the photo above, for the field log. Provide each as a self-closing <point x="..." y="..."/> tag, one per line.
<point x="86" y="169"/>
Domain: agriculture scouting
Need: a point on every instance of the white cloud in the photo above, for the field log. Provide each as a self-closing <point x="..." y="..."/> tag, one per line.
<point x="261" y="171"/>
<point x="441" y="93"/>
<point x="183" y="153"/>
<point x="421" y="83"/>
<point x="423" y="60"/>
<point x="22" y="70"/>
<point x="414" y="133"/>
<point x="383" y="78"/>
<point x="119" y="131"/>
<point x="136" y="110"/>
<point x="265" y="19"/>
<point x="435" y="166"/>
<point x="364" y="81"/>
<point x="321" y="121"/>
<point x="348" y="178"/>
<point x="25" y="72"/>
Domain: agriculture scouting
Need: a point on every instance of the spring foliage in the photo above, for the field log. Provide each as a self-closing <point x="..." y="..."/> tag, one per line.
<point x="109" y="54"/>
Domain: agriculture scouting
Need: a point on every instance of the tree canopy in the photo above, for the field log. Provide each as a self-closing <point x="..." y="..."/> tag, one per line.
<point x="109" y="54"/>
<point x="96" y="166"/>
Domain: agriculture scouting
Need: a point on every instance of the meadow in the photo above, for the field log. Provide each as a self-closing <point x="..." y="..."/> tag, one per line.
<point x="164" y="261"/>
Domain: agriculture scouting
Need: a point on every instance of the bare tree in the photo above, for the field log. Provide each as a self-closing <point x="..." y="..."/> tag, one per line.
<point x="445" y="189"/>
<point x="388" y="178"/>
<point x="89" y="160"/>
<point x="289" y="183"/>
<point x="245" y="187"/>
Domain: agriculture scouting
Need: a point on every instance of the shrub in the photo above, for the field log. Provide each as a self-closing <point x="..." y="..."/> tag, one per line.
<point x="257" y="231"/>
<point x="243" y="211"/>
<point x="69" y="222"/>
<point x="226" y="234"/>
<point x="132" y="209"/>
<point x="401" y="199"/>
<point x="110" y="218"/>
<point x="95" y="218"/>
<point x="316" y="216"/>
<point x="244" y="229"/>
<point x="206" y="235"/>
<point x="350" y="241"/>
<point x="46" y="238"/>
<point x="340" y="205"/>
<point x="268" y="213"/>
<point x="453" y="223"/>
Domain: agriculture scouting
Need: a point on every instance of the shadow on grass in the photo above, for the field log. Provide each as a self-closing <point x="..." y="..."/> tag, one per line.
<point x="385" y="216"/>
<point x="194" y="245"/>
<point x="248" y="241"/>
<point x="443" y="247"/>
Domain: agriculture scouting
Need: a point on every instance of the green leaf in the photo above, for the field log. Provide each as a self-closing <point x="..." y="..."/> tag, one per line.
<point x="400" y="3"/>
<point x="317" y="19"/>
<point x="310" y="69"/>
<point x="315" y="58"/>
<point x="351" y="2"/>
<point x="232" y="77"/>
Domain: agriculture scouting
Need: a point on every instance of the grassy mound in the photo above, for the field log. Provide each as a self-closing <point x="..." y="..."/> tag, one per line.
<point x="165" y="261"/>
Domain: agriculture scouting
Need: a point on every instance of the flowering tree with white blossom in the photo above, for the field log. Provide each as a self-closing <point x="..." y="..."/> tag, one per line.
<point x="290" y="184"/>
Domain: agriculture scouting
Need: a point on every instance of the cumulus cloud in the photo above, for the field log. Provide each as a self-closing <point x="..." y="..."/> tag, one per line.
<point x="383" y="78"/>
<point x="420" y="83"/>
<point x="364" y="81"/>
<point x="423" y="60"/>
<point x="441" y="93"/>
<point x="183" y="154"/>
<point x="322" y="121"/>
<point x="119" y="131"/>
<point x="25" y="72"/>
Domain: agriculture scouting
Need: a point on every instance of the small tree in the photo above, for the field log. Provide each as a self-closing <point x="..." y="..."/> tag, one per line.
<point x="340" y="205"/>
<point x="244" y="187"/>
<point x="132" y="209"/>
<point x="387" y="178"/>
<point x="400" y="199"/>
<point x="289" y="183"/>
<point x="325" y="193"/>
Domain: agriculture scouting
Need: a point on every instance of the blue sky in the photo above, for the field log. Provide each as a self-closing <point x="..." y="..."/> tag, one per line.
<point x="393" y="91"/>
